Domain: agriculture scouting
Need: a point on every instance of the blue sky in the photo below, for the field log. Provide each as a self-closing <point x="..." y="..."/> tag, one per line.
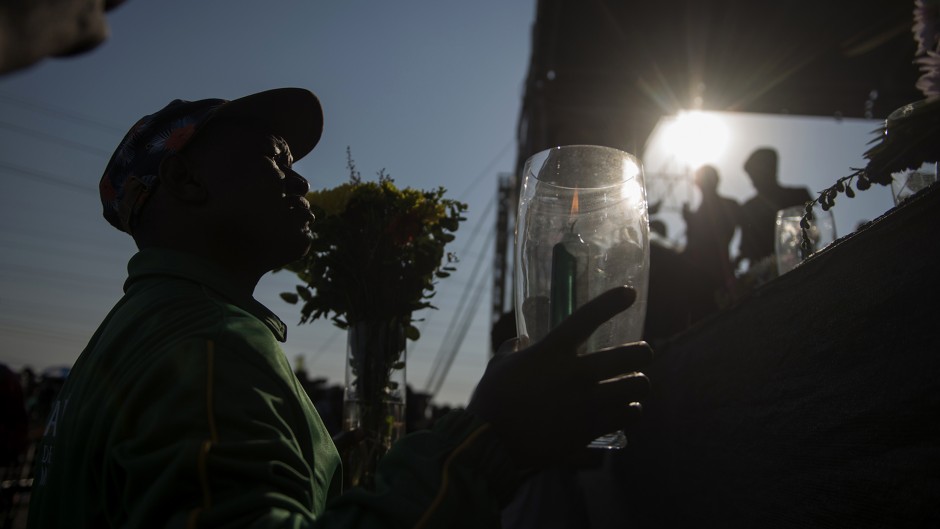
<point x="430" y="91"/>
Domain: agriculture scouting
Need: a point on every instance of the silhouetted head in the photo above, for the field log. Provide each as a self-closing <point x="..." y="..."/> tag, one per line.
<point x="706" y="178"/>
<point x="761" y="167"/>
<point x="214" y="178"/>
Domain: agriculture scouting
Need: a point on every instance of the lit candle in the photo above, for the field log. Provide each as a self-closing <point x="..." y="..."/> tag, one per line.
<point x="569" y="257"/>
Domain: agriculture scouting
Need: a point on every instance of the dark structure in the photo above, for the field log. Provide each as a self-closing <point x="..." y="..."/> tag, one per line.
<point x="604" y="71"/>
<point x="814" y="401"/>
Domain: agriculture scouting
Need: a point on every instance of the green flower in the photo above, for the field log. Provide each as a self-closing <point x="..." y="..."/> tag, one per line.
<point x="377" y="252"/>
<point x="331" y="201"/>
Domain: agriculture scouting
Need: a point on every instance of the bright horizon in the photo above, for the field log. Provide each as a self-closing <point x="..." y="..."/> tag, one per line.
<point x="813" y="152"/>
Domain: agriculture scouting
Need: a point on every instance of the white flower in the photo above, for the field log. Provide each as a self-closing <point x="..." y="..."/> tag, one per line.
<point x="929" y="82"/>
<point x="926" y="20"/>
<point x="927" y="34"/>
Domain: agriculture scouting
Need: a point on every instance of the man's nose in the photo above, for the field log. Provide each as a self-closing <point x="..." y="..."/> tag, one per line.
<point x="296" y="184"/>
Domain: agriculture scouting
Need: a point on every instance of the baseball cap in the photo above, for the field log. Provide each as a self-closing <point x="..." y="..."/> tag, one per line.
<point x="133" y="171"/>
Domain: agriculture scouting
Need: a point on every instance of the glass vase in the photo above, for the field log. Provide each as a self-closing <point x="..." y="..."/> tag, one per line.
<point x="905" y="184"/>
<point x="374" y="397"/>
<point x="910" y="132"/>
<point x="788" y="235"/>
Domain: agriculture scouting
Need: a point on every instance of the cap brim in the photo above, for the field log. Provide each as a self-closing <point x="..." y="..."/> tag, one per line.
<point x="292" y="113"/>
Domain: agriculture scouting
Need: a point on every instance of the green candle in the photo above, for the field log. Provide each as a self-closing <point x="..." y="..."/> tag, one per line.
<point x="563" y="286"/>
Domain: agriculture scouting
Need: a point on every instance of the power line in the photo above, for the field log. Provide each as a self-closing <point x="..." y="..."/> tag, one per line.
<point x="326" y="345"/>
<point x="450" y="344"/>
<point x="489" y="167"/>
<point x="473" y="236"/>
<point x="52" y="275"/>
<point x="55" y="139"/>
<point x="45" y="331"/>
<point x="47" y="178"/>
<point x="450" y="347"/>
<point x="61" y="113"/>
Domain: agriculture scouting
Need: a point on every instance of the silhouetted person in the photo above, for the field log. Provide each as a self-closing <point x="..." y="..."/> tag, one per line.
<point x="758" y="214"/>
<point x="709" y="230"/>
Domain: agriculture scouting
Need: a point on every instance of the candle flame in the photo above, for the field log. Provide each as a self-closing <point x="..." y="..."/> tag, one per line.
<point x="574" y="203"/>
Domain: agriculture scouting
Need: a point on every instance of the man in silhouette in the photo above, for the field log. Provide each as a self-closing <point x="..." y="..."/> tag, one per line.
<point x="758" y="214"/>
<point x="709" y="230"/>
<point x="182" y="411"/>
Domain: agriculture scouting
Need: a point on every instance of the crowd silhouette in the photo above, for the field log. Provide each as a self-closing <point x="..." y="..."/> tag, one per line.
<point x="690" y="283"/>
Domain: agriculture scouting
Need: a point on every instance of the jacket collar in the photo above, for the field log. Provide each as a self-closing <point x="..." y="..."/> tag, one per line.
<point x="163" y="262"/>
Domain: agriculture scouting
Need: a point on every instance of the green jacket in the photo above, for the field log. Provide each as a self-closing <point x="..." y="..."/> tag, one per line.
<point x="183" y="412"/>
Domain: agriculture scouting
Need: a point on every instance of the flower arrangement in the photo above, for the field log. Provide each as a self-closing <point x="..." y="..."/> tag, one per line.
<point x="908" y="138"/>
<point x="377" y="251"/>
<point x="374" y="261"/>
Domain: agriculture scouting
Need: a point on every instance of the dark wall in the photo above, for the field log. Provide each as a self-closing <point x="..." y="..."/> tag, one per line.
<point x="815" y="403"/>
<point x="603" y="71"/>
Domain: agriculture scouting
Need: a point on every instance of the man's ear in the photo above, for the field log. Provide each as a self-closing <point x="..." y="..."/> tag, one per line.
<point x="181" y="181"/>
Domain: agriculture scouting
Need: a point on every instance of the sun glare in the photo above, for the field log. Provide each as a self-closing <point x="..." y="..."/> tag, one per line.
<point x="696" y="138"/>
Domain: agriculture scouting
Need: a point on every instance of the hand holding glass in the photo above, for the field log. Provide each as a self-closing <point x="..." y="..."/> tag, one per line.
<point x="582" y="229"/>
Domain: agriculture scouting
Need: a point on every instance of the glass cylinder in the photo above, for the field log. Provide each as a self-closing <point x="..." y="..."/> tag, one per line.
<point x="906" y="183"/>
<point x="909" y="122"/>
<point x="788" y="235"/>
<point x="375" y="394"/>
<point x="582" y="229"/>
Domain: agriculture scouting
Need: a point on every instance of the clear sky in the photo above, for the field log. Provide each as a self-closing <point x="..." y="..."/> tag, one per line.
<point x="430" y="91"/>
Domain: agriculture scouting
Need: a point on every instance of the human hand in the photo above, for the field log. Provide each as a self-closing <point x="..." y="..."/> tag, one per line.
<point x="349" y="443"/>
<point x="347" y="440"/>
<point x="546" y="401"/>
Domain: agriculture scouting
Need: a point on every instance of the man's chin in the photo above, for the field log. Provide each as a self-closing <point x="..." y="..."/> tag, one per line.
<point x="302" y="249"/>
<point x="297" y="253"/>
<point x="306" y="249"/>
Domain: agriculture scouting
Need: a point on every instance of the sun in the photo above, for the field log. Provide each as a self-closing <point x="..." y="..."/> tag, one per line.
<point x="696" y="138"/>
